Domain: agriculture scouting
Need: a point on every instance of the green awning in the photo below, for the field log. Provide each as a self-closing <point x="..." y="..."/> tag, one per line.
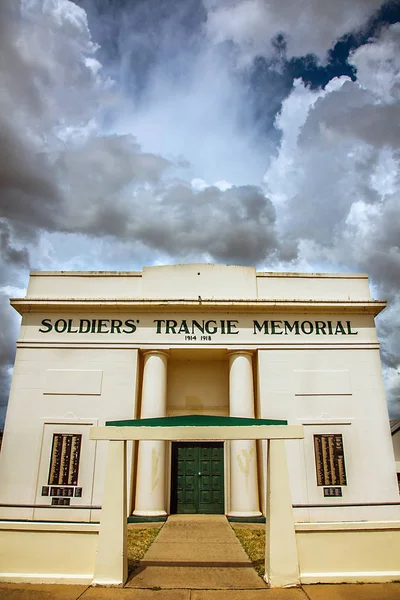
<point x="194" y="421"/>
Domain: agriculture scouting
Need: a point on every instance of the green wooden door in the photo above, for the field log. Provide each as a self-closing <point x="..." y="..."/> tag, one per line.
<point x="197" y="477"/>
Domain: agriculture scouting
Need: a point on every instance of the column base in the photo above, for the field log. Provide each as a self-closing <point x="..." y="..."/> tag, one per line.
<point x="137" y="519"/>
<point x="245" y="520"/>
<point x="149" y="513"/>
<point x="244" y="513"/>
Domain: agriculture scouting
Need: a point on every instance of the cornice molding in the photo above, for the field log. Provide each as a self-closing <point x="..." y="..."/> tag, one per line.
<point x="27" y="305"/>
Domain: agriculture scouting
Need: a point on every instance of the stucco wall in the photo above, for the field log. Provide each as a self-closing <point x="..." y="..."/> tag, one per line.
<point x="332" y="391"/>
<point x="353" y="552"/>
<point x="47" y="553"/>
<point x="198" y="387"/>
<point x="61" y="389"/>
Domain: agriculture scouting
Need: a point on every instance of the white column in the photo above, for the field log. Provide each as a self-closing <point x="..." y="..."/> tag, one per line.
<point x="281" y="558"/>
<point x="244" y="500"/>
<point x="111" y="566"/>
<point x="150" y="480"/>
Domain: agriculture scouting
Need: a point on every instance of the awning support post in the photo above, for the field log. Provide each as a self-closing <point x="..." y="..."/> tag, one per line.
<point x="281" y="558"/>
<point x="111" y="559"/>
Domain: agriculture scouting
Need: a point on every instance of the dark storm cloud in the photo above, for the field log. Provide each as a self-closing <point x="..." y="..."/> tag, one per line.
<point x="10" y="254"/>
<point x="236" y="225"/>
<point x="51" y="160"/>
<point x="59" y="173"/>
<point x="28" y="193"/>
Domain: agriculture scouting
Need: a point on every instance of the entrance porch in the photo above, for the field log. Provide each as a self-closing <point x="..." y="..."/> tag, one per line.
<point x="281" y="559"/>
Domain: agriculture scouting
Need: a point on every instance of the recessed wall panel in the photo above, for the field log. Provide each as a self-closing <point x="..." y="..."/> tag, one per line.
<point x="75" y="382"/>
<point x="322" y="382"/>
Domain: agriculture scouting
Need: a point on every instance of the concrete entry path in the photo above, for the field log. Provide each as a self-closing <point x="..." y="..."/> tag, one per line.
<point x="196" y="552"/>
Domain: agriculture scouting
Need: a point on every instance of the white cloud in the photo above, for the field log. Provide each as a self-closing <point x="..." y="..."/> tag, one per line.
<point x="223" y="185"/>
<point x="336" y="181"/>
<point x="378" y="65"/>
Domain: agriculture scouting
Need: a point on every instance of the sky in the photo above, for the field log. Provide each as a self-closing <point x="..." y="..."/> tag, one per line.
<point x="247" y="132"/>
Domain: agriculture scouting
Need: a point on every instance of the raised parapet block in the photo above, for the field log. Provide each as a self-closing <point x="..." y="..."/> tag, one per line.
<point x="199" y="281"/>
<point x="178" y="282"/>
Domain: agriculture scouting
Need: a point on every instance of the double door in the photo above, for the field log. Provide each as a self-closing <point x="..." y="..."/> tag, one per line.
<point x="197" y="478"/>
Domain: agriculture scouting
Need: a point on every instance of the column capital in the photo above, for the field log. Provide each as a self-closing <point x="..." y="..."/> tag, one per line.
<point x="232" y="353"/>
<point x="156" y="353"/>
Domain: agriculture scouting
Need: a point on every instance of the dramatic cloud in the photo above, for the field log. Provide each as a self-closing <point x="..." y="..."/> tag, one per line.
<point x="307" y="26"/>
<point x="150" y="131"/>
<point x="236" y="225"/>
<point x="335" y="180"/>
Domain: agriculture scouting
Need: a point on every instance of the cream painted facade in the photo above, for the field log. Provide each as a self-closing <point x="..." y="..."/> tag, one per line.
<point x="199" y="340"/>
<point x="395" y="430"/>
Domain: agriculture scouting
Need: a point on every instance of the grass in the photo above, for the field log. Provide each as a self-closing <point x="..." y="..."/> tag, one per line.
<point x="139" y="540"/>
<point x="253" y="542"/>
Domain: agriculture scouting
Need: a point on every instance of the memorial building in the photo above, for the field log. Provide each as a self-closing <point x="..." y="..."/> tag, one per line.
<point x="187" y="340"/>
